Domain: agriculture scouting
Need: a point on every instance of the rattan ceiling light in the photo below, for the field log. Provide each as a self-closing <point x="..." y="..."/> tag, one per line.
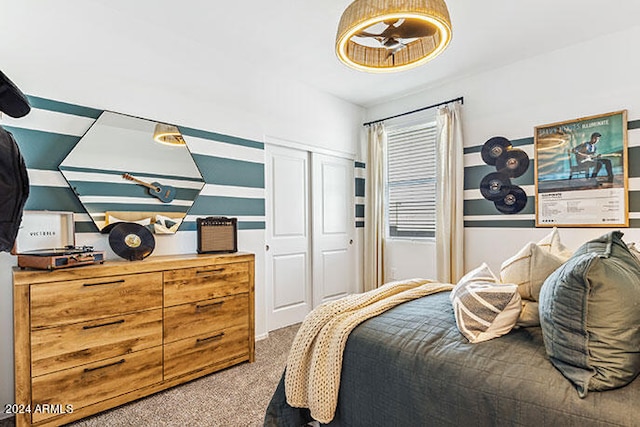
<point x="392" y="35"/>
<point x="168" y="135"/>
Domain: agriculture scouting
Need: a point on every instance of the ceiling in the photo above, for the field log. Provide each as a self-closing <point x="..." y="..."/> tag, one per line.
<point x="184" y="43"/>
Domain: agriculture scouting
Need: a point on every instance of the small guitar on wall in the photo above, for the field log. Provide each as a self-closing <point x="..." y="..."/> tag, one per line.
<point x="165" y="193"/>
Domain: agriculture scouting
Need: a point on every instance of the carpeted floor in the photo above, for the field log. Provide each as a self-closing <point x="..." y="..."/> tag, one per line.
<point x="235" y="397"/>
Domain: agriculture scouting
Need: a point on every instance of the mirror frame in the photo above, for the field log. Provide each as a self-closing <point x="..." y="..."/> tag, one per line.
<point x="119" y="173"/>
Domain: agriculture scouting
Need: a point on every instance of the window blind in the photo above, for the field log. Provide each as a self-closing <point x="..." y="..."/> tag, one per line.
<point x="411" y="180"/>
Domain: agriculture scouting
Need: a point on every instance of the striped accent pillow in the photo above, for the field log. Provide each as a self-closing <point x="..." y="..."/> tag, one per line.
<point x="483" y="308"/>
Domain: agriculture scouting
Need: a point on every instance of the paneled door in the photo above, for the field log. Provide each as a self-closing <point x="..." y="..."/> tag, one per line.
<point x="288" y="236"/>
<point x="333" y="228"/>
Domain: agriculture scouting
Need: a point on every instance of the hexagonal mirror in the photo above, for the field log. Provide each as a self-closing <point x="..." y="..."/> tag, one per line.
<point x="130" y="169"/>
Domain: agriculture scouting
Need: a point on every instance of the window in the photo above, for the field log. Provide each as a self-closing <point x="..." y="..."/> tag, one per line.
<point x="411" y="180"/>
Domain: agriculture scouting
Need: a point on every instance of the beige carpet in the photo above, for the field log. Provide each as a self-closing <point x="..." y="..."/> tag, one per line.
<point x="235" y="397"/>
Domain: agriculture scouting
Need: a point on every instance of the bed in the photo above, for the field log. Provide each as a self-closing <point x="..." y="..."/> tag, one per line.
<point x="411" y="366"/>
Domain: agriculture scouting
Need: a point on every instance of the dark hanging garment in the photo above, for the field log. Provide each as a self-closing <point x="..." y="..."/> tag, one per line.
<point x="14" y="189"/>
<point x="12" y="101"/>
<point x="14" y="182"/>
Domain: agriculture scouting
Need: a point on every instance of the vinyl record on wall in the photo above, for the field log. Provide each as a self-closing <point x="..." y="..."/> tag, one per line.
<point x="513" y="162"/>
<point x="131" y="241"/>
<point x="514" y="201"/>
<point x="494" y="148"/>
<point x="495" y="186"/>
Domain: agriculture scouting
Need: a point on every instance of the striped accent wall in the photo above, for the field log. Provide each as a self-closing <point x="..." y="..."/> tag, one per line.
<point x="360" y="173"/>
<point x="479" y="212"/>
<point x="232" y="168"/>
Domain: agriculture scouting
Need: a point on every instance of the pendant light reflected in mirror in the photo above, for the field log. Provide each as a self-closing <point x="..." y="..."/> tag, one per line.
<point x="167" y="134"/>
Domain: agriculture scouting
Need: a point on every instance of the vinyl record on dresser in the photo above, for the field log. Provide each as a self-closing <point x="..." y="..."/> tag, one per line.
<point x="514" y="163"/>
<point x="495" y="186"/>
<point x="513" y="202"/>
<point x="494" y="148"/>
<point x="131" y="241"/>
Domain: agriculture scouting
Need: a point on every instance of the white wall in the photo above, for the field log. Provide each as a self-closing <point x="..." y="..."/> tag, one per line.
<point x="407" y="259"/>
<point x="591" y="78"/>
<point x="249" y="107"/>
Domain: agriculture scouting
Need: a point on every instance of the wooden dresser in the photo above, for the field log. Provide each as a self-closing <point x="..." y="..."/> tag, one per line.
<point x="93" y="337"/>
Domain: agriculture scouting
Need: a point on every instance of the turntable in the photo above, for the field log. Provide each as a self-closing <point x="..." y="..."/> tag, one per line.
<point x="54" y="258"/>
<point x="54" y="230"/>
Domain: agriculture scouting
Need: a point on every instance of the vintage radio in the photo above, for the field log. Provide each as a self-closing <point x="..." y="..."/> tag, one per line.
<point x="217" y="234"/>
<point x="46" y="241"/>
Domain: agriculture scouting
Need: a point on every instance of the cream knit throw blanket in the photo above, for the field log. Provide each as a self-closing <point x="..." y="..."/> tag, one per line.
<point x="312" y="377"/>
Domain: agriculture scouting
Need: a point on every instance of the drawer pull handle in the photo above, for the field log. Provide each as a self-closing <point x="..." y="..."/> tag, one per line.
<point x="212" y="305"/>
<point x="212" y="338"/>
<point x="103" y="324"/>
<point x="104" y="283"/>
<point x="213" y="270"/>
<point x="104" y="366"/>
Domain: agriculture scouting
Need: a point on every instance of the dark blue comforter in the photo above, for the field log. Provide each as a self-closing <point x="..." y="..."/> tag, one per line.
<point x="411" y="367"/>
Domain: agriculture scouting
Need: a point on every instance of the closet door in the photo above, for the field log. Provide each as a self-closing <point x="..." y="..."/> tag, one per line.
<point x="333" y="228"/>
<point x="287" y="256"/>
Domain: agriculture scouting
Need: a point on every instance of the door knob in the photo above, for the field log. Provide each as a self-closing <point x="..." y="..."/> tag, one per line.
<point x="266" y="247"/>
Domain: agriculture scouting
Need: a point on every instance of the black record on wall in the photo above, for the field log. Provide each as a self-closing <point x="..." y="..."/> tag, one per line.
<point x="513" y="162"/>
<point x="513" y="202"/>
<point x="495" y="186"/>
<point x="494" y="148"/>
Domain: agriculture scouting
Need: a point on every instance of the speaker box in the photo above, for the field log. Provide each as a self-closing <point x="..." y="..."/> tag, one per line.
<point x="217" y="234"/>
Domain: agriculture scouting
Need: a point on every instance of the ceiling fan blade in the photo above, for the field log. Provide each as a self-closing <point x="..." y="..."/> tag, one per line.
<point x="409" y="29"/>
<point x="393" y="46"/>
<point x="379" y="35"/>
<point x="366" y="34"/>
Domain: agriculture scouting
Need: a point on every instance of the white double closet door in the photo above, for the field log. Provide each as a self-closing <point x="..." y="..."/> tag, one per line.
<point x="310" y="211"/>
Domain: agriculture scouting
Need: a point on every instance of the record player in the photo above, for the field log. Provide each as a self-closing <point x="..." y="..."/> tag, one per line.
<point x="46" y="241"/>
<point x="54" y="258"/>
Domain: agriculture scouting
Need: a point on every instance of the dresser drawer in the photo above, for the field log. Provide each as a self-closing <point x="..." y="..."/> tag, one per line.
<point x="66" y="346"/>
<point x="98" y="381"/>
<point x="93" y="298"/>
<point x="191" y="354"/>
<point x="200" y="283"/>
<point x="187" y="320"/>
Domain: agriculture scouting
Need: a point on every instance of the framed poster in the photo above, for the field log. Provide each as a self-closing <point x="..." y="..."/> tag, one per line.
<point x="581" y="173"/>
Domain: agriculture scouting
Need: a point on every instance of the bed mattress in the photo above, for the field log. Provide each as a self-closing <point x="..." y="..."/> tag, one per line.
<point x="411" y="366"/>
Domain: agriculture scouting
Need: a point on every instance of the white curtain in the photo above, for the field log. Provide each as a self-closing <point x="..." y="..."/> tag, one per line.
<point x="449" y="195"/>
<point x="374" y="211"/>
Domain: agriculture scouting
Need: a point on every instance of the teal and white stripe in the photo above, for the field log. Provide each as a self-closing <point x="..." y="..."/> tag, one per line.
<point x="232" y="169"/>
<point x="479" y="212"/>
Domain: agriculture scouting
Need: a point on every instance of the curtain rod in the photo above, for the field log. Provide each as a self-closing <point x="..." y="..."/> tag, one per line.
<point x="460" y="98"/>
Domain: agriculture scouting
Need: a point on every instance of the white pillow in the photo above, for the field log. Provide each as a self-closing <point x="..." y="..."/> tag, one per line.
<point x="166" y="225"/>
<point x="529" y="316"/>
<point x="528" y="269"/>
<point x="552" y="244"/>
<point x="112" y="219"/>
<point x="483" y="308"/>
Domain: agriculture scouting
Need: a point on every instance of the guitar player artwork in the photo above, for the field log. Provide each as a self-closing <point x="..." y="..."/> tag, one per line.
<point x="581" y="173"/>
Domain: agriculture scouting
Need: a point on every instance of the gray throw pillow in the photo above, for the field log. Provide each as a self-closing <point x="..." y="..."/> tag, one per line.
<point x="590" y="315"/>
